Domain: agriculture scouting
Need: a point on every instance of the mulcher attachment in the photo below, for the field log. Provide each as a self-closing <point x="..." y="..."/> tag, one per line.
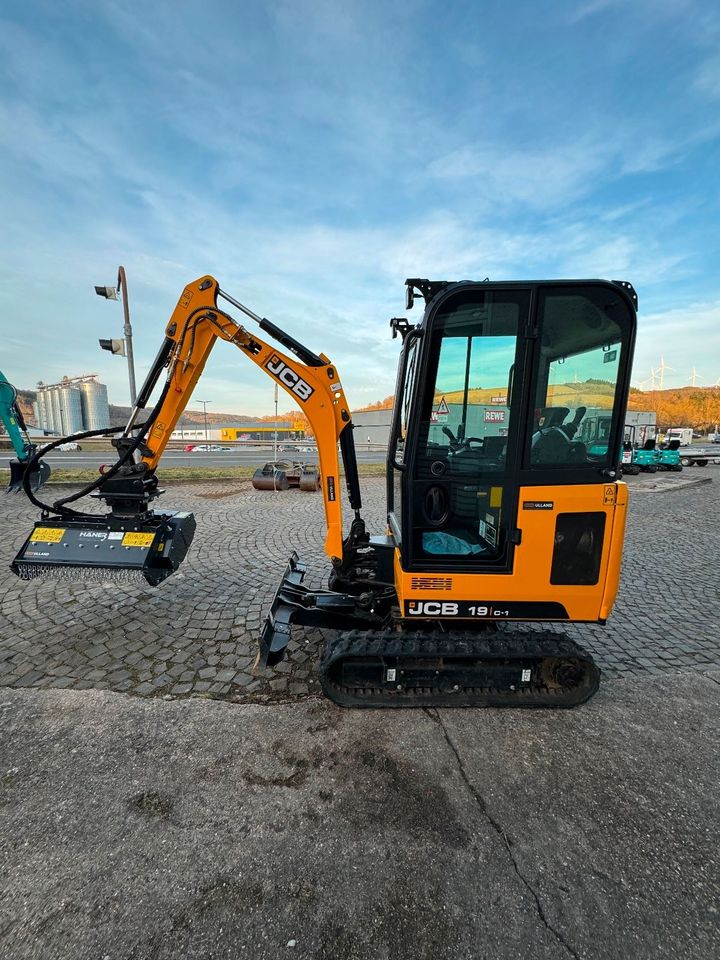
<point x="106" y="548"/>
<point x="391" y="669"/>
<point x="38" y="475"/>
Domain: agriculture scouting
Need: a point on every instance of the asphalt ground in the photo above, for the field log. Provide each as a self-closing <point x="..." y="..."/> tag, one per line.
<point x="139" y="829"/>
<point x="88" y="458"/>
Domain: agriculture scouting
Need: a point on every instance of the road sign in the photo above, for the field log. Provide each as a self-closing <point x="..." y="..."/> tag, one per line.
<point x="442" y="411"/>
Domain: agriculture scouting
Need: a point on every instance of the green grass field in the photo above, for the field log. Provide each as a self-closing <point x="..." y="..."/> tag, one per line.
<point x="196" y="474"/>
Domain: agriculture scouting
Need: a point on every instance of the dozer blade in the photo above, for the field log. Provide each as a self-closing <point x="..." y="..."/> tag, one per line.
<point x="390" y="669"/>
<point x="38" y="476"/>
<point x="106" y="548"/>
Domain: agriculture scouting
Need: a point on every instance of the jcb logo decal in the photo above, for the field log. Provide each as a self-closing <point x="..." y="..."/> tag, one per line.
<point x="431" y="608"/>
<point x="302" y="390"/>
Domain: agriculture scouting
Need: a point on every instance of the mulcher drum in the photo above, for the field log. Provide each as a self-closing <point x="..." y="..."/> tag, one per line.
<point x="391" y="669"/>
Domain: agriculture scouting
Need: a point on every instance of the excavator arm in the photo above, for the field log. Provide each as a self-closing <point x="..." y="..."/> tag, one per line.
<point x="310" y="380"/>
<point x="134" y="540"/>
<point x="12" y="420"/>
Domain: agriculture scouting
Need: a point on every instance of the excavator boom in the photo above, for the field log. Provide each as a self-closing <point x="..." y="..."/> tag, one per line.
<point x="311" y="380"/>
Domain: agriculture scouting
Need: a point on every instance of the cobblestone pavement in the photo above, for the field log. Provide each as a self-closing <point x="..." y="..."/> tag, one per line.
<point x="196" y="633"/>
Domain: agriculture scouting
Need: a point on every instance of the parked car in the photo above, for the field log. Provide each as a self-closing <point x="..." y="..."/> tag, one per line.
<point x="189" y="447"/>
<point x="209" y="448"/>
<point x="71" y="445"/>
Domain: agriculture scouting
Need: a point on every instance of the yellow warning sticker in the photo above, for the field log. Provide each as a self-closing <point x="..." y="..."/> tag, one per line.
<point x="496" y="496"/>
<point x="138" y="539"/>
<point x="48" y="534"/>
<point x="609" y="493"/>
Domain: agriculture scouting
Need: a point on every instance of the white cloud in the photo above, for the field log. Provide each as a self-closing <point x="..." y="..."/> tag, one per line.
<point x="645" y="8"/>
<point x="540" y="177"/>
<point x="707" y="80"/>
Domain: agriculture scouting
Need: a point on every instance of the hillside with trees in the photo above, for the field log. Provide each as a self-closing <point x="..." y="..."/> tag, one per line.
<point x="696" y="407"/>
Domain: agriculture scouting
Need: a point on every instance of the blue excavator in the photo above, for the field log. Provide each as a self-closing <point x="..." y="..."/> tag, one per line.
<point x="14" y="423"/>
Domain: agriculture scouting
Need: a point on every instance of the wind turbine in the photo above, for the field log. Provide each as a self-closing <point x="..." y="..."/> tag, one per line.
<point x="695" y="376"/>
<point x="661" y="371"/>
<point x="651" y="379"/>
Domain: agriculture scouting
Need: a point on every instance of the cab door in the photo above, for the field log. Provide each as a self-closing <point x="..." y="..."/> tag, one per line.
<point x="397" y="448"/>
<point x="459" y="479"/>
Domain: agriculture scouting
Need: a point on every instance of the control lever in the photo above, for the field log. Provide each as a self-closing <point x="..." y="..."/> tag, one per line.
<point x="455" y="442"/>
<point x="570" y="429"/>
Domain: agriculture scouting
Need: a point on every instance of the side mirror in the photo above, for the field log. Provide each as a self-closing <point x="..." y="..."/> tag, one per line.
<point x="409" y="297"/>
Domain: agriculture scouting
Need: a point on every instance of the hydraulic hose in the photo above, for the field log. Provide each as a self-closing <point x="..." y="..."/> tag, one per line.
<point x="32" y="462"/>
<point x="58" y="507"/>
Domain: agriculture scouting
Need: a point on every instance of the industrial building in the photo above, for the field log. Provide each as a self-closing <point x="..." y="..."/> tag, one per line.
<point x="372" y="426"/>
<point x="252" y="430"/>
<point x="73" y="405"/>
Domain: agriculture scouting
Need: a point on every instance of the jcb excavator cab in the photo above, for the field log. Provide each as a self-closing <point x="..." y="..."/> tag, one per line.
<point x="492" y="390"/>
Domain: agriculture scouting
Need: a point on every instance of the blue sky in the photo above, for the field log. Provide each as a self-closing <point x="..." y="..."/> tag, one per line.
<point x="311" y="155"/>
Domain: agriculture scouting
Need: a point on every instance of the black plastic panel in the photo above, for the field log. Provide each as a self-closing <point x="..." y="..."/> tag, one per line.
<point x="578" y="548"/>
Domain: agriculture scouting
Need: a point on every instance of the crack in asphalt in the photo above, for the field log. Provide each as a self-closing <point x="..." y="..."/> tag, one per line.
<point x="481" y="803"/>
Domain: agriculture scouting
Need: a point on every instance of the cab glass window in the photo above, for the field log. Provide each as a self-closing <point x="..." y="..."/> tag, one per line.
<point x="469" y="420"/>
<point x="576" y="403"/>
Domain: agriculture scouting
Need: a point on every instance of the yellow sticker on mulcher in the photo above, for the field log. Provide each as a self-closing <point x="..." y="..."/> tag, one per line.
<point x="138" y="539"/>
<point x="48" y="534"/>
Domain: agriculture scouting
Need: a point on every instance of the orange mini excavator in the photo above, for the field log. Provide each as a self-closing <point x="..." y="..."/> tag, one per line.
<point x="497" y="512"/>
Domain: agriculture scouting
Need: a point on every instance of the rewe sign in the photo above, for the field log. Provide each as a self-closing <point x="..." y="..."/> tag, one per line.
<point x="495" y="416"/>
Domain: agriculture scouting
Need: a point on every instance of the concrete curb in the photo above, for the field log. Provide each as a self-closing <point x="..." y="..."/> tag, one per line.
<point x="667" y="484"/>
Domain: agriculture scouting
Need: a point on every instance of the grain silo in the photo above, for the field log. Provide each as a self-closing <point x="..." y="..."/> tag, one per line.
<point x="55" y="408"/>
<point x="71" y="410"/>
<point x="95" y="408"/>
<point x="44" y="408"/>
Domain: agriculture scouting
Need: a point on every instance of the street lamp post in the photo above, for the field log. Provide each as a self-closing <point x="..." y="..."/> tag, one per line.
<point x="204" y="405"/>
<point x="127" y="330"/>
<point x="275" y="443"/>
<point x="111" y="293"/>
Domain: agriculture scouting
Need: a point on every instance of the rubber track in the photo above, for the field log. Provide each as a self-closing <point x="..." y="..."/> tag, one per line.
<point x="529" y="649"/>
